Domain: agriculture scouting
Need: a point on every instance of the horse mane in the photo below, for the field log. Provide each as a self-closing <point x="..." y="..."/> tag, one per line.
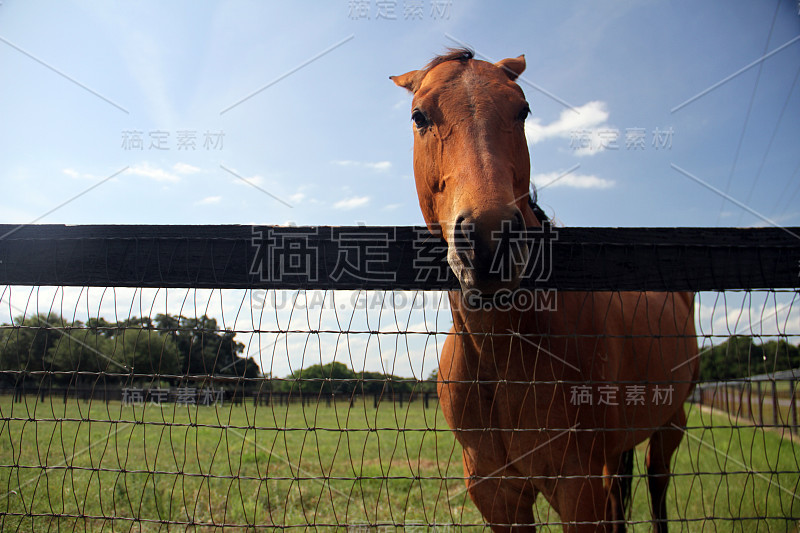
<point x="453" y="54"/>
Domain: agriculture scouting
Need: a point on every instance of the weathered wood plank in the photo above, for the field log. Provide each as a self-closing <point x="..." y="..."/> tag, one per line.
<point x="359" y="257"/>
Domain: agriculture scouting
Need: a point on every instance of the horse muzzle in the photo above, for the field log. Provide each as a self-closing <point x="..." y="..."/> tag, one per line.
<point x="488" y="251"/>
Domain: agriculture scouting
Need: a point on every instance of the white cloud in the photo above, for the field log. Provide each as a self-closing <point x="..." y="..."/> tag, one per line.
<point x="763" y="314"/>
<point x="379" y="166"/>
<point x="72" y="173"/>
<point x="392" y="207"/>
<point x="184" y="168"/>
<point x="154" y="173"/>
<point x="587" y="125"/>
<point x="297" y="197"/>
<point x="352" y="203"/>
<point x="209" y="200"/>
<point x="576" y="181"/>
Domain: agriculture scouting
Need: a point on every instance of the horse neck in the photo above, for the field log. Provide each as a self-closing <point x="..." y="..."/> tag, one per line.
<point x="479" y="321"/>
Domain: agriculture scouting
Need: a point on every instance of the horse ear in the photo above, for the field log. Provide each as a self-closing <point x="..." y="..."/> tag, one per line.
<point x="408" y="80"/>
<point x="512" y="66"/>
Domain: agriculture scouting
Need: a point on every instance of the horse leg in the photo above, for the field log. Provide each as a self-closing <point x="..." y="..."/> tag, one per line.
<point x="506" y="504"/>
<point x="662" y="445"/>
<point x="618" y="486"/>
<point x="583" y="503"/>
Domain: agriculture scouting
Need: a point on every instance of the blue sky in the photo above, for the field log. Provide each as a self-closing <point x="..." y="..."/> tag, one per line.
<point x="333" y="139"/>
<point x="294" y="98"/>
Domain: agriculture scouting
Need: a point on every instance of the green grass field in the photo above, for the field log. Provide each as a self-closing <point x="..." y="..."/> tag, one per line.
<point x="185" y="467"/>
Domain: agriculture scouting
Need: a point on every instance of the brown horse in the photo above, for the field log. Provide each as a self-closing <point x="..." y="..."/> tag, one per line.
<point x="542" y="401"/>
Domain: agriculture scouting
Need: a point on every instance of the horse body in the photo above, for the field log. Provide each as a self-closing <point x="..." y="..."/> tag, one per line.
<point x="513" y="383"/>
<point x="528" y="383"/>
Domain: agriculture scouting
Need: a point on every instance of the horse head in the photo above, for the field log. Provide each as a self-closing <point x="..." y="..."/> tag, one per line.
<point x="471" y="165"/>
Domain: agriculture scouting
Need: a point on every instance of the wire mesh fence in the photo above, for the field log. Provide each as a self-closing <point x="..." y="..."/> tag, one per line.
<point x="130" y="408"/>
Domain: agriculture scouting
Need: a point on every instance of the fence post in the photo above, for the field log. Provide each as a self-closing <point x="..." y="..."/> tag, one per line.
<point x="727" y="398"/>
<point x="760" y="404"/>
<point x="774" y="403"/>
<point x="792" y="406"/>
<point x="740" y="400"/>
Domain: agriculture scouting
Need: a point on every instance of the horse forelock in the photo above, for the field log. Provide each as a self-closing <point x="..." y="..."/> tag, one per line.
<point x="453" y="54"/>
<point x="460" y="55"/>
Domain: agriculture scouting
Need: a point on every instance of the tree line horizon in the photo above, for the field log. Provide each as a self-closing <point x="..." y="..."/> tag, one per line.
<point x="165" y="349"/>
<point x="176" y="346"/>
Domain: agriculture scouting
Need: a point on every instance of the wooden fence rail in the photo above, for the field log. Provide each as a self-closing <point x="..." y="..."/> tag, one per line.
<point x="273" y="257"/>
<point x="767" y="402"/>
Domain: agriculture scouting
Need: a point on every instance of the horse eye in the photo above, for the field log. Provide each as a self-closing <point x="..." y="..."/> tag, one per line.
<point x="523" y="115"/>
<point x="419" y="118"/>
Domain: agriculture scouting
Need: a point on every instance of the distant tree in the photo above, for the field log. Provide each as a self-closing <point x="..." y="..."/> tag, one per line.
<point x="776" y="356"/>
<point x="429" y="385"/>
<point x="83" y="350"/>
<point x="171" y="345"/>
<point x="132" y="346"/>
<point x="740" y="357"/>
<point x="337" y="378"/>
<point x="379" y="383"/>
<point x="333" y="377"/>
<point x="728" y="360"/>
<point x="372" y="383"/>
<point x="145" y="351"/>
<point x="203" y="349"/>
<point x="25" y="343"/>
<point x="246" y="368"/>
<point x="102" y="327"/>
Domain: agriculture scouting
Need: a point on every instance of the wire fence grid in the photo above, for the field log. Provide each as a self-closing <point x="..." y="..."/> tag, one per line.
<point x="205" y="409"/>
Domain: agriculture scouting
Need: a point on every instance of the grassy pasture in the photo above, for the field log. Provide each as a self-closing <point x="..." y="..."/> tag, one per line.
<point x="178" y="467"/>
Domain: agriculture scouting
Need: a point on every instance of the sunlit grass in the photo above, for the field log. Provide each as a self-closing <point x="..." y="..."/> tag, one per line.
<point x="177" y="466"/>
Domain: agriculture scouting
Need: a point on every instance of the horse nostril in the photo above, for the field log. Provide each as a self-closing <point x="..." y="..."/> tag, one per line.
<point x="462" y="233"/>
<point x="518" y="223"/>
